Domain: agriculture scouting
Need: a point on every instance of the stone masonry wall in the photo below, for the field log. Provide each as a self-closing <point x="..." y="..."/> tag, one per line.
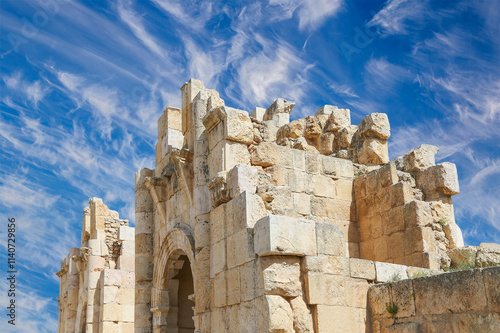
<point x="465" y="301"/>
<point x="283" y="226"/>
<point x="96" y="292"/>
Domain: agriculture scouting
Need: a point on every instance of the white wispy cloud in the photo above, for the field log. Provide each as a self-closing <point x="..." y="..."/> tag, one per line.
<point x="343" y="89"/>
<point x="312" y="14"/>
<point x="395" y="16"/>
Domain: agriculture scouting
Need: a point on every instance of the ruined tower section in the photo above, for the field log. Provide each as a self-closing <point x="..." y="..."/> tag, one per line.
<point x="253" y="223"/>
<point x="97" y="280"/>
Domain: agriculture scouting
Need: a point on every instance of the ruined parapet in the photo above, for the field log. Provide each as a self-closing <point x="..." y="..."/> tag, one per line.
<point x="466" y="301"/>
<point x="97" y="280"/>
<point x="252" y="223"/>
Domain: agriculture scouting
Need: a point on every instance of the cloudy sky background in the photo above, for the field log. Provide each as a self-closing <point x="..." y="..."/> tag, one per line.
<point x="83" y="83"/>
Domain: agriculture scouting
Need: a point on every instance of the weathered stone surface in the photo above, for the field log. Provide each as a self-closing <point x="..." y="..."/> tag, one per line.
<point x="375" y="125"/>
<point x="280" y="275"/>
<point x="420" y="158"/>
<point x="302" y="319"/>
<point x="440" y="178"/>
<point x="374" y="150"/>
<point x="280" y="235"/>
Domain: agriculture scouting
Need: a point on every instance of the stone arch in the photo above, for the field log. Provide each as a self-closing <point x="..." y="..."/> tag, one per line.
<point x="176" y="252"/>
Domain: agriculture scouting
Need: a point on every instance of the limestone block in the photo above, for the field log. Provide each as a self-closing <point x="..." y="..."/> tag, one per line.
<point x="127" y="296"/>
<point x="344" y="189"/>
<point x="442" y="178"/>
<point x="111" y="277"/>
<point x="202" y="231"/>
<point x="373" y="151"/>
<point x="323" y="186"/>
<point x="233" y="286"/>
<point x="279" y="105"/>
<point x="398" y="293"/>
<point x="143" y="244"/>
<point x="375" y="125"/>
<point x="325" y="289"/>
<point x="363" y="269"/>
<point x="126" y="263"/>
<point x="356" y="291"/>
<point x="488" y="254"/>
<point x="143" y="223"/>
<point x="338" y="118"/>
<point x="302" y="318"/>
<point x="302" y="203"/>
<point x="299" y="181"/>
<point x="326" y="143"/>
<point x="345" y="136"/>
<point x="218" y="224"/>
<point x="242" y="178"/>
<point x="110" y="326"/>
<point x="266" y="154"/>
<point x="217" y="257"/>
<point x="110" y="294"/>
<point x="396" y="245"/>
<point x="143" y="201"/>
<point x="417" y="214"/>
<point x="313" y="162"/>
<point x="420" y="158"/>
<point x="330" y="240"/>
<point x="274" y="314"/>
<point x="454" y="235"/>
<point x="240" y="248"/>
<point x="111" y="312"/>
<point x="341" y="319"/>
<point x="172" y="139"/>
<point x="380" y="248"/>
<point x="336" y="167"/>
<point x="126" y="233"/>
<point x="279" y="275"/>
<point x="128" y="248"/>
<point x="98" y="247"/>
<point x="247" y="281"/>
<point x="327" y="264"/>
<point x="249" y="208"/>
<point x="258" y="113"/>
<point x="220" y="290"/>
<point x="491" y="276"/>
<point x="387" y="272"/>
<point x="202" y="200"/>
<point x="235" y="153"/>
<point x="434" y="291"/>
<point x="284" y="235"/>
<point x="127" y="327"/>
<point x="143" y="267"/>
<point x="393" y="220"/>
<point x="202" y="280"/>
<point x="313" y="128"/>
<point x="400" y="194"/>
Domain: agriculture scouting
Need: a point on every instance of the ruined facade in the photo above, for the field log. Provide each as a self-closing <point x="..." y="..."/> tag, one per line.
<point x="253" y="223"/>
<point x="96" y="292"/>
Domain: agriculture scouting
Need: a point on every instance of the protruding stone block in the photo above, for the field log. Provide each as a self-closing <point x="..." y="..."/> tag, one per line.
<point x="375" y="125"/>
<point x="126" y="233"/>
<point x="420" y="158"/>
<point x="442" y="178"/>
<point x="281" y="235"/>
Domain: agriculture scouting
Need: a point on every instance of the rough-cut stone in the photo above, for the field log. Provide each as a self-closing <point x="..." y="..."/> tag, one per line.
<point x="420" y="158"/>
<point x="98" y="273"/>
<point x="255" y="224"/>
<point x="280" y="235"/>
<point x="375" y="125"/>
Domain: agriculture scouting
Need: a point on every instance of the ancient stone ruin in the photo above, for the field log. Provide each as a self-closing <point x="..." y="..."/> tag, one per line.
<point x="96" y="292"/>
<point x="253" y="223"/>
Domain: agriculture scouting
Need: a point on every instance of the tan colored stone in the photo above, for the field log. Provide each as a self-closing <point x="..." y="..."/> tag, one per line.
<point x="280" y="275"/>
<point x="302" y="319"/>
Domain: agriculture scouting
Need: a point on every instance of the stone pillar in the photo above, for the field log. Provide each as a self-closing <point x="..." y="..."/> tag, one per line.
<point x="144" y="229"/>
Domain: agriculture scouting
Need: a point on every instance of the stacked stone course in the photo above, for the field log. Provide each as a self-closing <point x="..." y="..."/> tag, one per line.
<point x="252" y="223"/>
<point x="97" y="280"/>
<point x="284" y="225"/>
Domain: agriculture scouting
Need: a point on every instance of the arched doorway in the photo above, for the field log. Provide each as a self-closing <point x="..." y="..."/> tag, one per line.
<point x="173" y="291"/>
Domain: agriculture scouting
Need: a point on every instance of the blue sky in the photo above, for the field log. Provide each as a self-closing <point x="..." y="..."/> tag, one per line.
<point x="83" y="83"/>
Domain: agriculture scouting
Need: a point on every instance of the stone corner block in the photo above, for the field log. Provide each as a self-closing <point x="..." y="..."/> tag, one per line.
<point x="387" y="272"/>
<point x="126" y="233"/>
<point x="282" y="235"/>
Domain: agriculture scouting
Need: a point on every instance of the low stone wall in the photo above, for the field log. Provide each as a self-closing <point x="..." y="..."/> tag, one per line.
<point x="463" y="301"/>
